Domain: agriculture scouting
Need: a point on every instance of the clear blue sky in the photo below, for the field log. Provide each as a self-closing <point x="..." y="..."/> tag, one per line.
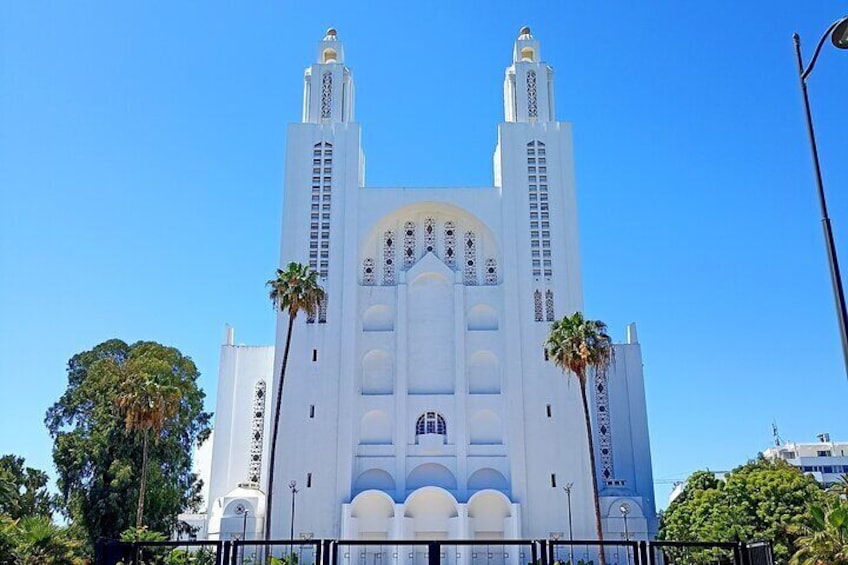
<point x="141" y="166"/>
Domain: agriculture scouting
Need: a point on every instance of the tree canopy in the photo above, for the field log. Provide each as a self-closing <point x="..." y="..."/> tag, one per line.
<point x="761" y="500"/>
<point x="99" y="462"/>
<point x="23" y="490"/>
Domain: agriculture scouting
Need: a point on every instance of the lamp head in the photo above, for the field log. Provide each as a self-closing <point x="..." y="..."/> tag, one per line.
<point x="292" y="485"/>
<point x="624" y="509"/>
<point x="839" y="37"/>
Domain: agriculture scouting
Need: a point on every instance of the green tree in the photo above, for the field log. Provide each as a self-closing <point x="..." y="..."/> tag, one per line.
<point x="580" y="347"/>
<point x="294" y="290"/>
<point x="148" y="405"/>
<point x="761" y="500"/>
<point x="38" y="541"/>
<point x="99" y="464"/>
<point x="824" y="539"/>
<point x="23" y="490"/>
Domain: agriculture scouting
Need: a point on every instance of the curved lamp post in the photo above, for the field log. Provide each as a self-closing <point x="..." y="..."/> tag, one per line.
<point x="294" y="491"/>
<point x="838" y="32"/>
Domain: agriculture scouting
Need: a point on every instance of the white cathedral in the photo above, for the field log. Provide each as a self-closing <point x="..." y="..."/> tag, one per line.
<point x="418" y="402"/>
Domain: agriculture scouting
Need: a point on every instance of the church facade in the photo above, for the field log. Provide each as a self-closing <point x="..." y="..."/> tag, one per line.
<point x="418" y="401"/>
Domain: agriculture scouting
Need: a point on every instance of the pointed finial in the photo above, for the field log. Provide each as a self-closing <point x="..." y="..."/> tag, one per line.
<point x="331" y="34"/>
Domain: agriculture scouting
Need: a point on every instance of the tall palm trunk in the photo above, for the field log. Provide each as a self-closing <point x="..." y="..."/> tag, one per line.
<point x="270" y="500"/>
<point x="139" y="513"/>
<point x="595" y="498"/>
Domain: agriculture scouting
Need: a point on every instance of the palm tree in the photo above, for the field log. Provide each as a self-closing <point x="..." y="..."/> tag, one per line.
<point x="295" y="289"/>
<point x="825" y="539"/>
<point x="578" y="346"/>
<point x="148" y="406"/>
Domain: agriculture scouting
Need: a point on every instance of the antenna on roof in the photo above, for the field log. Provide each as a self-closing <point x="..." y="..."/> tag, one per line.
<point x="775" y="434"/>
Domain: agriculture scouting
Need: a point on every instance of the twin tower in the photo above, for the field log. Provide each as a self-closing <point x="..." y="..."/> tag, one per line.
<point x="418" y="401"/>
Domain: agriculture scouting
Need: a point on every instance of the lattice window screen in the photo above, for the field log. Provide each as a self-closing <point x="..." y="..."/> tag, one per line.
<point x="257" y="433"/>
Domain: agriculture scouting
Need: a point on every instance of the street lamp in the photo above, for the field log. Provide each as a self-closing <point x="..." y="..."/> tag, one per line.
<point x="567" y="489"/>
<point x="838" y="32"/>
<point x="294" y="491"/>
<point x="625" y="510"/>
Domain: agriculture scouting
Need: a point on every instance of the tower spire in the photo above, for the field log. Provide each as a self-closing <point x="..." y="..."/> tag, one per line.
<point x="528" y="85"/>
<point x="328" y="84"/>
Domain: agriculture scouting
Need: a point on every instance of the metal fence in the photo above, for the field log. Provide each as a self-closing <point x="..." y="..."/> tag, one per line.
<point x="431" y="552"/>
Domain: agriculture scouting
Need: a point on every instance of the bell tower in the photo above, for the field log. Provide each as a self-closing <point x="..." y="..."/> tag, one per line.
<point x="528" y="84"/>
<point x="328" y="85"/>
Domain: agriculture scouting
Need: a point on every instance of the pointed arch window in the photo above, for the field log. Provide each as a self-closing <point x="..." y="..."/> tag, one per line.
<point x="431" y="423"/>
<point x="429" y="235"/>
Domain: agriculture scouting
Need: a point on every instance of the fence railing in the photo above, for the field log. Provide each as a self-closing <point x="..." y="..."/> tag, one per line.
<point x="431" y="552"/>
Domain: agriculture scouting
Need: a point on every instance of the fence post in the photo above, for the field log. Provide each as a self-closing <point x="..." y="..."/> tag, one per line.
<point x="433" y="553"/>
<point x="222" y="552"/>
<point x="534" y="552"/>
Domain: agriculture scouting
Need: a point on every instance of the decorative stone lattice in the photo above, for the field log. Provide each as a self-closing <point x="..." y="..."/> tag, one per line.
<point x="389" y="257"/>
<point x="368" y="277"/>
<point x="257" y="433"/>
<point x="408" y="244"/>
<point x="431" y="423"/>
<point x="429" y="235"/>
<point x="549" y="305"/>
<point x="604" y="430"/>
<point x="450" y="244"/>
<point x="470" y="258"/>
<point x="491" y="272"/>
<point x="319" y="226"/>
<point x="532" y="106"/>
<point x="326" y="94"/>
<point x="322" y="310"/>
<point x="537" y="306"/>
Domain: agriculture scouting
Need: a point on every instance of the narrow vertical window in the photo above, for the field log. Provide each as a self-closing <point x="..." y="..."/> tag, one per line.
<point x="491" y="271"/>
<point x="389" y="257"/>
<point x="326" y="94"/>
<point x="314" y="355"/>
<point x="553" y="480"/>
<point x="470" y="258"/>
<point x="545" y="353"/>
<point x="429" y="235"/>
<point x="322" y="310"/>
<point x="549" y="305"/>
<point x="450" y="244"/>
<point x="604" y="425"/>
<point x="409" y="244"/>
<point x="548" y="410"/>
<point x="257" y="433"/>
<point x="532" y="106"/>
<point x="368" y="272"/>
<point x="537" y="306"/>
<point x="308" y="480"/>
<point x="312" y="410"/>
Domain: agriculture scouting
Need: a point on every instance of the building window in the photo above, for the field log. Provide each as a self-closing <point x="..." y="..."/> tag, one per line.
<point x="549" y="305"/>
<point x="311" y="410"/>
<point x="320" y="198"/>
<point x="257" y="433"/>
<point x="308" y="480"/>
<point x="429" y="235"/>
<point x="548" y="410"/>
<point x="824" y="453"/>
<point x="603" y="422"/>
<point x="389" y="257"/>
<point x="553" y="480"/>
<point x="431" y="423"/>
<point x="326" y="94"/>
<point x="537" y="306"/>
<point x="314" y="355"/>
<point x="322" y="307"/>
<point x="532" y="106"/>
<point x="470" y="258"/>
<point x="368" y="272"/>
<point x="450" y="244"/>
<point x="409" y="244"/>
<point x="491" y="272"/>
